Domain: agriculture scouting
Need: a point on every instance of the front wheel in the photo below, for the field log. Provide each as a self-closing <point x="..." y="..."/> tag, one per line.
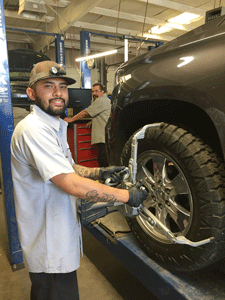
<point x="185" y="180"/>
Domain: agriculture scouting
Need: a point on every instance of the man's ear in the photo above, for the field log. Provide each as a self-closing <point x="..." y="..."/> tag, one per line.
<point x="31" y="93"/>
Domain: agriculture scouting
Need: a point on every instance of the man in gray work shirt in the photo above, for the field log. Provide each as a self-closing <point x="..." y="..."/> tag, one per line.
<point x="46" y="184"/>
<point x="99" y="110"/>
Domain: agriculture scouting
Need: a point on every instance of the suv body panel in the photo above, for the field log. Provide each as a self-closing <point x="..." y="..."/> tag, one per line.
<point x="181" y="82"/>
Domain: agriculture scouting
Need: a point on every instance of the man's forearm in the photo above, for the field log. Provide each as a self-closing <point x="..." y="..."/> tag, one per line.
<point x="90" y="190"/>
<point x="80" y="115"/>
<point x="92" y="173"/>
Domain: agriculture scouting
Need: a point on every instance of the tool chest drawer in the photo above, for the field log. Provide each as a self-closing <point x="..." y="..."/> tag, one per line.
<point x="79" y="139"/>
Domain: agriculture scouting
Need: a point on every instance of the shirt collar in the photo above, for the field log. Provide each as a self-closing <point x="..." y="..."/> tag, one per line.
<point x="50" y="120"/>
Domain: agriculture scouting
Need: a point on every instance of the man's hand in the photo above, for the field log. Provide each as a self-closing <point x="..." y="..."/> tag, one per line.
<point x="136" y="196"/>
<point x="68" y="120"/>
<point x="88" y="125"/>
<point x="113" y="172"/>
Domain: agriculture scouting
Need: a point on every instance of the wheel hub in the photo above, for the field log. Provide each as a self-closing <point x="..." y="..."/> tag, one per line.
<point x="160" y="196"/>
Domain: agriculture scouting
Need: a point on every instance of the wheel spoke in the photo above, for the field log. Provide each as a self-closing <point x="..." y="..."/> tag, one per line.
<point x="178" y="213"/>
<point x="165" y="178"/>
<point x="150" y="203"/>
<point x="163" y="216"/>
<point x="148" y="185"/>
<point x="149" y="176"/>
<point x="159" y="167"/>
<point x="159" y="215"/>
<point x="179" y="186"/>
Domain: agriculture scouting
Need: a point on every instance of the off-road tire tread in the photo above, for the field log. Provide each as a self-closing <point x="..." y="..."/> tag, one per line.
<point x="208" y="172"/>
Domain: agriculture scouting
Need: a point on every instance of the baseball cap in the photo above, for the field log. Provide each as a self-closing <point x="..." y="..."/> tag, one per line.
<point x="48" y="69"/>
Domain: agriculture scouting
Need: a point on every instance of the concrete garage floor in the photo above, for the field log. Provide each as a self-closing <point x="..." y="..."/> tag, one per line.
<point x="100" y="276"/>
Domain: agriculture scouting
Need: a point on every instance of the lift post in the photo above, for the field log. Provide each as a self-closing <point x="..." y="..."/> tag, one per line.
<point x="6" y="130"/>
<point x="85" y="49"/>
<point x="60" y="50"/>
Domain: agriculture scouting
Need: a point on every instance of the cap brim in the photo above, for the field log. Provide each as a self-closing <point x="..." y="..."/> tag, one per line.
<point x="69" y="80"/>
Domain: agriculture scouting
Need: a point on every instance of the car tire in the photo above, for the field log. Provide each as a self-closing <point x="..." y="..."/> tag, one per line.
<point x="185" y="180"/>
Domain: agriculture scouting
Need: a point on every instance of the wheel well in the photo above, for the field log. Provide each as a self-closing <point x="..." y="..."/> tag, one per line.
<point x="182" y="114"/>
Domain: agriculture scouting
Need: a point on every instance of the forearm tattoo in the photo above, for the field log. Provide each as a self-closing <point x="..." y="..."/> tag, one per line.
<point x="93" y="196"/>
<point x="92" y="173"/>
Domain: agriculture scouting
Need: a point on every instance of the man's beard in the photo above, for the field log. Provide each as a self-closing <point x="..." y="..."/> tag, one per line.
<point x="50" y="110"/>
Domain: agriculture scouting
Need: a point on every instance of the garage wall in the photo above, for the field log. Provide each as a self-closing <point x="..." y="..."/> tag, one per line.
<point x="11" y="45"/>
<point x="19" y="114"/>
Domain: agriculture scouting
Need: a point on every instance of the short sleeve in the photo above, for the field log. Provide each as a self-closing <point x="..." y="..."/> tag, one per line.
<point x="96" y="107"/>
<point x="44" y="152"/>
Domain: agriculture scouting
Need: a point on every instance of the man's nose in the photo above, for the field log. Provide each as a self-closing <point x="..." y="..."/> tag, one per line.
<point x="57" y="91"/>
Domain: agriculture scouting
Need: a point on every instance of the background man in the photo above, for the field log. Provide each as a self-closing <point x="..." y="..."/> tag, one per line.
<point x="46" y="183"/>
<point x="99" y="110"/>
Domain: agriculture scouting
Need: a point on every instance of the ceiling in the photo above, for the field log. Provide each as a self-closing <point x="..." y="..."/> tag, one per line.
<point x="114" y="18"/>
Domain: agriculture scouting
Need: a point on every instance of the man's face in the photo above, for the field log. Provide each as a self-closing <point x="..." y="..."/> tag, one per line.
<point x="51" y="95"/>
<point x="96" y="92"/>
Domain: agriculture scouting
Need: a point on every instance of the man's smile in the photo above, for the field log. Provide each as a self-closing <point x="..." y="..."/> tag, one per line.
<point x="57" y="102"/>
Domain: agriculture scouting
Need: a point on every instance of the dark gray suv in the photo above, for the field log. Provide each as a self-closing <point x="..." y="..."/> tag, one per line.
<point x="179" y="87"/>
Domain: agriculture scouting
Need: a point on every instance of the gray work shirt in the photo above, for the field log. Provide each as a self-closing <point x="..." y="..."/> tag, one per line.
<point x="99" y="110"/>
<point x="50" y="233"/>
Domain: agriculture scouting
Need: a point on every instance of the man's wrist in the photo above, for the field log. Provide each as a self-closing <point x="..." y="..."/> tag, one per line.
<point x="98" y="174"/>
<point x="74" y="118"/>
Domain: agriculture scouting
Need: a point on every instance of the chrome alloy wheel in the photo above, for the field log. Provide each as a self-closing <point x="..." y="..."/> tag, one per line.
<point x="169" y="199"/>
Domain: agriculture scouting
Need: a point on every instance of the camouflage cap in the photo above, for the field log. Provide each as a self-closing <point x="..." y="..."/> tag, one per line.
<point x="48" y="69"/>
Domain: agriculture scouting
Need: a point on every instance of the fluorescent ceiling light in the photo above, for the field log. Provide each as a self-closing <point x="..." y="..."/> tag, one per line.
<point x="185" y="18"/>
<point x="97" y="55"/>
<point x="165" y="28"/>
<point x="159" y="29"/>
<point x="152" y="36"/>
<point x="175" y="26"/>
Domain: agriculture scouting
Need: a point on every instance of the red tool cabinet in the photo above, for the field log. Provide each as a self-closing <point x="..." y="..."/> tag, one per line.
<point x="79" y="140"/>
